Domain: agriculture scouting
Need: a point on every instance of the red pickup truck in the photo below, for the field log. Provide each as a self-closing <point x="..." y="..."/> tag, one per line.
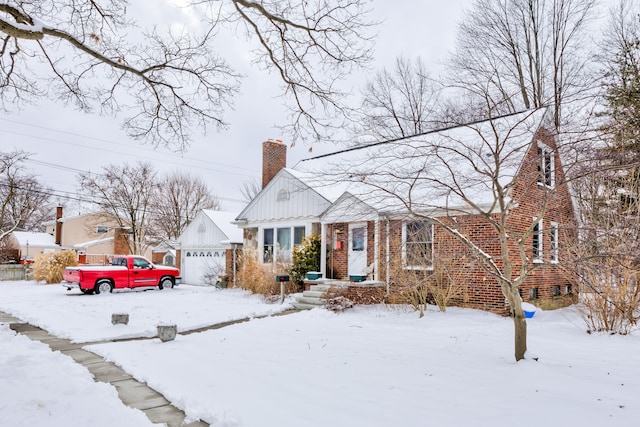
<point x="130" y="271"/>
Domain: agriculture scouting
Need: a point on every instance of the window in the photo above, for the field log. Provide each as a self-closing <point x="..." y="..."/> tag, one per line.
<point x="277" y="243"/>
<point x="202" y="228"/>
<point x="357" y="239"/>
<point x="267" y="252"/>
<point x="284" y="243"/>
<point x="101" y="229"/>
<point x="418" y="244"/>
<point x="546" y="166"/>
<point x="537" y="242"/>
<point x="555" y="291"/>
<point x="140" y="263"/>
<point x="567" y="289"/>
<point x="283" y="195"/>
<point x="533" y="293"/>
<point x="298" y="235"/>
<point x="554" y="241"/>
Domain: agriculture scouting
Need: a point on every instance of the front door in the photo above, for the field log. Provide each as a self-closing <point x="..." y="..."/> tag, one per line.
<point x="358" y="249"/>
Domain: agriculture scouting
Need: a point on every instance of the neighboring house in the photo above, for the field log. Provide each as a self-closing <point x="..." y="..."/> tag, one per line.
<point x="95" y="236"/>
<point x="31" y="244"/>
<point x="346" y="198"/>
<point x="164" y="254"/>
<point x="209" y="248"/>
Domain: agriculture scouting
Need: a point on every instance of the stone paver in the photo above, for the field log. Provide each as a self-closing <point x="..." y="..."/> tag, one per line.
<point x="132" y="392"/>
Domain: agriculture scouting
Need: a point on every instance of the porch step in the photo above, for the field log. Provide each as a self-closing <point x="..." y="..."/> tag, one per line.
<point x="313" y="294"/>
<point x="319" y="288"/>
<point x="311" y="301"/>
<point x="303" y="306"/>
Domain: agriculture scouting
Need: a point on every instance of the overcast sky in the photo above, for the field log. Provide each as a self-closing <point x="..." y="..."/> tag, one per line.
<point x="64" y="141"/>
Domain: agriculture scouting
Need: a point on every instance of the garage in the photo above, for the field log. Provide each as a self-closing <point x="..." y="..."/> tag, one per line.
<point x="203" y="265"/>
<point x="204" y="245"/>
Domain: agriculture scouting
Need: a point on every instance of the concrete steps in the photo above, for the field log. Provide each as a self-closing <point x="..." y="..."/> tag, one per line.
<point x="312" y="298"/>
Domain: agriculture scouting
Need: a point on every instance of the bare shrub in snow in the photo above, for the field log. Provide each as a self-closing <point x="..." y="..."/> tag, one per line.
<point x="338" y="303"/>
<point x="260" y="278"/>
<point x="48" y="267"/>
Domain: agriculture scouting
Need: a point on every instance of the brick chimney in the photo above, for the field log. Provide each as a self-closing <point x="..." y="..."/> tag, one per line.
<point x="274" y="158"/>
<point x="58" y="225"/>
<point x="120" y="241"/>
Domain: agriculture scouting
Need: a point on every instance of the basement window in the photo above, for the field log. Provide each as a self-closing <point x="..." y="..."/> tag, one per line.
<point x="533" y="293"/>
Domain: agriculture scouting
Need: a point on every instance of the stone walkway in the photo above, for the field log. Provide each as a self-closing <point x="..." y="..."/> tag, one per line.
<point x="133" y="393"/>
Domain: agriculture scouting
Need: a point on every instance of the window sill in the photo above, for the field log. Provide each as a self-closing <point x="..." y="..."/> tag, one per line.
<point x="538" y="261"/>
<point x="409" y="267"/>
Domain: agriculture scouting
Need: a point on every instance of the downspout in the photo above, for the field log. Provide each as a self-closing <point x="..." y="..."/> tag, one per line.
<point x="376" y="252"/>
<point x="388" y="259"/>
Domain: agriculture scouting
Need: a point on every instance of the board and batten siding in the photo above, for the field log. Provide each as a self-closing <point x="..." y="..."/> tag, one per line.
<point x="202" y="233"/>
<point x="285" y="198"/>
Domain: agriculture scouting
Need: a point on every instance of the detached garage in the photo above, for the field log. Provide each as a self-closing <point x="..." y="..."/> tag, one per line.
<point x="209" y="247"/>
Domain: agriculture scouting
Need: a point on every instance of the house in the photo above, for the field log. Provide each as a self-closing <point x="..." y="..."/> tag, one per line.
<point x="95" y="236"/>
<point x="31" y="244"/>
<point x="209" y="248"/>
<point x="381" y="208"/>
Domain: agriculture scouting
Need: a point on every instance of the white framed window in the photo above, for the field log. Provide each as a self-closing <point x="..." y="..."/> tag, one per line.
<point x="417" y="243"/>
<point x="536" y="239"/>
<point x="277" y="242"/>
<point x="267" y="242"/>
<point x="101" y="229"/>
<point x="546" y="166"/>
<point x="553" y="237"/>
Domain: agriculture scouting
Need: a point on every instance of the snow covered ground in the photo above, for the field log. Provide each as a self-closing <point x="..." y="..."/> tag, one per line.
<point x="371" y="366"/>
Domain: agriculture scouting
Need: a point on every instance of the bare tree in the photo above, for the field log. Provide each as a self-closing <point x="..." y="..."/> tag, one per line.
<point x="606" y="262"/>
<point x="172" y="79"/>
<point x="24" y="200"/>
<point x="488" y="187"/>
<point x="524" y="54"/>
<point x="125" y="194"/>
<point x="179" y="198"/>
<point x="250" y="190"/>
<point x="398" y="102"/>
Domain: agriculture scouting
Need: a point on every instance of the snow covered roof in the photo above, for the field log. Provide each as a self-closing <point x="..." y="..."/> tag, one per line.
<point x="92" y="242"/>
<point x="224" y="222"/>
<point x="31" y="238"/>
<point x="433" y="170"/>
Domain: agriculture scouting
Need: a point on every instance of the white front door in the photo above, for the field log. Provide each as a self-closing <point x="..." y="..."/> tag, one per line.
<point x="358" y="249"/>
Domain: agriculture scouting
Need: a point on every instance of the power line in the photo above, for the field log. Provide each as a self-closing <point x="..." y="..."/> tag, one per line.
<point x="130" y="147"/>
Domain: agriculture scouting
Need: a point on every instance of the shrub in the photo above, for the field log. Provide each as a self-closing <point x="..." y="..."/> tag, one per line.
<point x="48" y="267"/>
<point x="442" y="286"/>
<point x="338" y="303"/>
<point x="260" y="278"/>
<point x="306" y="257"/>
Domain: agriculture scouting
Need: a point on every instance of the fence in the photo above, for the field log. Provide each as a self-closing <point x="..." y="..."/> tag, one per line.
<point x="12" y="272"/>
<point x="95" y="259"/>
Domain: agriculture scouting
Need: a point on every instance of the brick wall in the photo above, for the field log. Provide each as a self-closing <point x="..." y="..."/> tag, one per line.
<point x="120" y="239"/>
<point x="483" y="291"/>
<point x="274" y="158"/>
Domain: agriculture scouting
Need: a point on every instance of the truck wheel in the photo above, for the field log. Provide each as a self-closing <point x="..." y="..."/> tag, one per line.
<point x="103" y="287"/>
<point x="165" y="283"/>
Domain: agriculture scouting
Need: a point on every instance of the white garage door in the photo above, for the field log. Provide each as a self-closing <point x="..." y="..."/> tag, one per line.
<point x="202" y="266"/>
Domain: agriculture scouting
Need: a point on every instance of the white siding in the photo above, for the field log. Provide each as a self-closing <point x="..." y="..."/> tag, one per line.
<point x="285" y="198"/>
<point x="201" y="233"/>
<point x="349" y="209"/>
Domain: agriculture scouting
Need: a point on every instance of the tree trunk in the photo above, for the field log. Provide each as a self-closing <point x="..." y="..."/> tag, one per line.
<point x="520" y="329"/>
